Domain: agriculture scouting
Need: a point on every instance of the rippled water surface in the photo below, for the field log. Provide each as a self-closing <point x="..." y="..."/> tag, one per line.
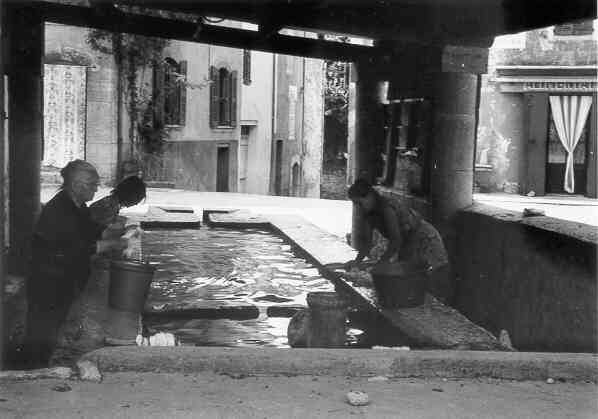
<point x="214" y="267"/>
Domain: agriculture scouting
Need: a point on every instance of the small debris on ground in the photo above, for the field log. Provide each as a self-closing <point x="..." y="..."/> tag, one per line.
<point x="62" y="387"/>
<point x="550" y="380"/>
<point x="439" y="390"/>
<point x="88" y="371"/>
<point x="357" y="398"/>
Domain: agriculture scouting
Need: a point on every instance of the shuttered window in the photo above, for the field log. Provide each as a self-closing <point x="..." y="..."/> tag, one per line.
<point x="170" y="92"/>
<point x="246" y="67"/>
<point x="223" y="98"/>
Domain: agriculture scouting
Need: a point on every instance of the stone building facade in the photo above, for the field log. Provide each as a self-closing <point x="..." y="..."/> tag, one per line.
<point x="299" y="127"/>
<point x="518" y="148"/>
<point x="240" y="121"/>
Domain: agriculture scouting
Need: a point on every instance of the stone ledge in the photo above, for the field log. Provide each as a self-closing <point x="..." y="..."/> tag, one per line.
<point x="349" y="362"/>
<point x="237" y="219"/>
<point x="157" y="217"/>
<point x="579" y="231"/>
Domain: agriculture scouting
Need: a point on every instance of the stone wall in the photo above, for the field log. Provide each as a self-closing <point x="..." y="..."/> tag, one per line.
<point x="256" y="107"/>
<point x="533" y="277"/>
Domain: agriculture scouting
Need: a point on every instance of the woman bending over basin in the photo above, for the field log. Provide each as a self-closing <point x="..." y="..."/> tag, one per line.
<point x="410" y="237"/>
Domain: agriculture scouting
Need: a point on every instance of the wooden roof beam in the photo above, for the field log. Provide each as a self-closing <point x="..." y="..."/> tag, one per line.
<point x="188" y="31"/>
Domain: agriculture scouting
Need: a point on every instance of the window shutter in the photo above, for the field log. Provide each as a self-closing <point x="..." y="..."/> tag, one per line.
<point x="247" y="67"/>
<point x="158" y="95"/>
<point x="226" y="91"/>
<point x="182" y="89"/>
<point x="214" y="97"/>
<point x="233" y="99"/>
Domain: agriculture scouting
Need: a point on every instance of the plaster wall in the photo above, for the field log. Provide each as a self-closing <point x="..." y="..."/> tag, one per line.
<point x="299" y="124"/>
<point x="256" y="106"/>
<point x="199" y="58"/>
<point x="192" y="164"/>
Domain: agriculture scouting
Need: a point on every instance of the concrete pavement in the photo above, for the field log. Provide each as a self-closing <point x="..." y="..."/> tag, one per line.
<point x="571" y="208"/>
<point x="226" y="396"/>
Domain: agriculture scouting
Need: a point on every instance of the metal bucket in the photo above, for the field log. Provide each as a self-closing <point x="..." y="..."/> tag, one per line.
<point x="129" y="284"/>
<point x="400" y="285"/>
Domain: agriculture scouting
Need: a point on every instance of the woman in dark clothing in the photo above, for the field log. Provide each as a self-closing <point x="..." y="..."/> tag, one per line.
<point x="64" y="239"/>
<point x="127" y="193"/>
<point x="410" y="237"/>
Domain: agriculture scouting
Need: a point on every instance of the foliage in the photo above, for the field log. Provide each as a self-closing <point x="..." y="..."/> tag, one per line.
<point x="336" y="89"/>
<point x="133" y="54"/>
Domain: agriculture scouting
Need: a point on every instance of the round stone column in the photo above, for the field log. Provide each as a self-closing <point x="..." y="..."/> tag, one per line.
<point x="455" y="100"/>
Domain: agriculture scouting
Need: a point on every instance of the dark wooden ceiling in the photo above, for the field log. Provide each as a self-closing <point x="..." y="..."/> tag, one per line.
<point x="390" y="23"/>
<point x="421" y="21"/>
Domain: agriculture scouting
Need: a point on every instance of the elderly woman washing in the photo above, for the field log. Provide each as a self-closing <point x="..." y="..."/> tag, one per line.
<point x="64" y="239"/>
<point x="410" y="237"/>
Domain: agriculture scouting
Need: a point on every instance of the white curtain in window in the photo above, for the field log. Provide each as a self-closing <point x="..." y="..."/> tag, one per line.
<point x="569" y="114"/>
<point x="64" y="114"/>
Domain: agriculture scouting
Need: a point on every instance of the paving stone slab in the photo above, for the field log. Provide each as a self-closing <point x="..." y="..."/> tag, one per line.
<point x="237" y="219"/>
<point x="166" y="217"/>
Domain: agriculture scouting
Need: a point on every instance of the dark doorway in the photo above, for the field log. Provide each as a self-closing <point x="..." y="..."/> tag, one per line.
<point x="295" y="181"/>
<point x="278" y="168"/>
<point x="557" y="160"/>
<point x="222" y="169"/>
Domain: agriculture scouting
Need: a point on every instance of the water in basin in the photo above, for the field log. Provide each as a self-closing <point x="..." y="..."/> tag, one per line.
<point x="216" y="267"/>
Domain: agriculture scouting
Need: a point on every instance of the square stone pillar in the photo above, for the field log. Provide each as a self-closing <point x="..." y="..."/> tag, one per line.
<point x="25" y="90"/>
<point x="369" y="134"/>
